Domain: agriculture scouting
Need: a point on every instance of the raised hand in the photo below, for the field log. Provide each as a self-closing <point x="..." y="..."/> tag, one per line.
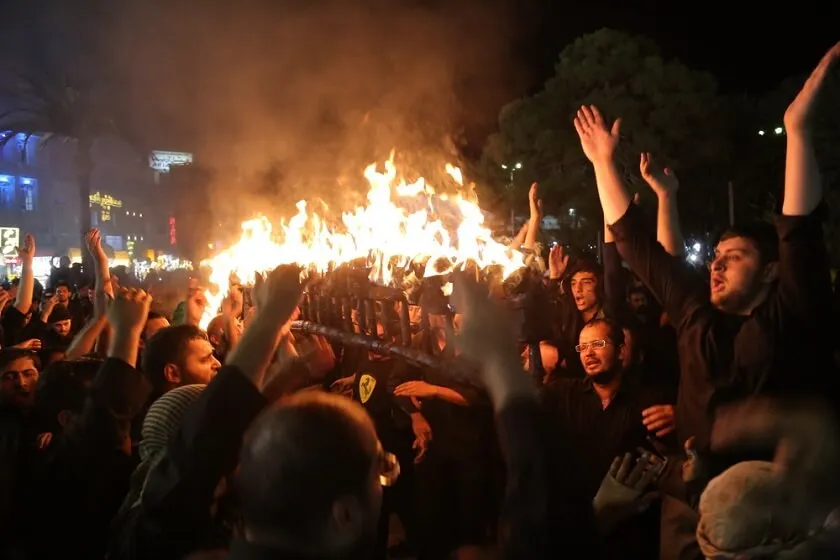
<point x="129" y="310"/>
<point x="597" y="140"/>
<point x="195" y="306"/>
<point x="93" y="242"/>
<point x="534" y="202"/>
<point x="558" y="262"/>
<point x="233" y="303"/>
<point x="663" y="181"/>
<point x="26" y="252"/>
<point x="799" y="113"/>
<point x="280" y="292"/>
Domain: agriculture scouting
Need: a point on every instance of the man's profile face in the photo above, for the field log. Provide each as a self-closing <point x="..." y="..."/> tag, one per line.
<point x="200" y="365"/>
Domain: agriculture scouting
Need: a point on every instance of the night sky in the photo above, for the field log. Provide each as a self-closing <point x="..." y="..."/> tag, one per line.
<point x="745" y="48"/>
<point x="266" y="75"/>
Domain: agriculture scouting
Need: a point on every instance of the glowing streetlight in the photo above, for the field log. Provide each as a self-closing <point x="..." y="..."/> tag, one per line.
<point x="513" y="169"/>
<point x="760" y="133"/>
<point x="778" y="130"/>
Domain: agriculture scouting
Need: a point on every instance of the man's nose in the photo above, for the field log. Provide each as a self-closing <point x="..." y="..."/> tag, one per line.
<point x="216" y="363"/>
<point x="719" y="264"/>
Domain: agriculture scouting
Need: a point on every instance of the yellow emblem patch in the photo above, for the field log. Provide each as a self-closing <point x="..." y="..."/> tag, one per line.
<point x="366" y="386"/>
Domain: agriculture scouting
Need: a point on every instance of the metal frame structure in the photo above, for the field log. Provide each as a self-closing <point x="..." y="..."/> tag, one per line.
<point x="347" y="308"/>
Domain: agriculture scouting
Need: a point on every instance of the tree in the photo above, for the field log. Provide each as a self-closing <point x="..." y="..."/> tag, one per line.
<point x="759" y="158"/>
<point x="52" y="101"/>
<point x="666" y="108"/>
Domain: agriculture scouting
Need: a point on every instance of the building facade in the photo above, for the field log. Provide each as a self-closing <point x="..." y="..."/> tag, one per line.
<point x="39" y="194"/>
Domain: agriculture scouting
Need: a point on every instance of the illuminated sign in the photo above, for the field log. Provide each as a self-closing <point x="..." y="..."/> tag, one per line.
<point x="162" y="161"/>
<point x="9" y="241"/>
<point x="105" y="202"/>
<point x="172" y="237"/>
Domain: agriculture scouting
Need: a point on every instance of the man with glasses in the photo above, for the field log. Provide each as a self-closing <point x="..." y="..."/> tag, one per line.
<point x="606" y="415"/>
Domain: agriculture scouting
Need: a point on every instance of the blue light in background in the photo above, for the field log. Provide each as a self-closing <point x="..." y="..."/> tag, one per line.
<point x="25" y="181"/>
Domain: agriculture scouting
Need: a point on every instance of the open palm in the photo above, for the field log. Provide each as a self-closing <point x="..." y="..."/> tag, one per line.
<point x="598" y="141"/>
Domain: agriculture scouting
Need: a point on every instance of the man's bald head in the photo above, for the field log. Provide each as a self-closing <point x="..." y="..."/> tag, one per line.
<point x="301" y="457"/>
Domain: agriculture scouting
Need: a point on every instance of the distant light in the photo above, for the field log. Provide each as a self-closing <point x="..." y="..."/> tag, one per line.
<point x="761" y="133"/>
<point x="778" y="130"/>
<point x="518" y="165"/>
<point x="571" y="211"/>
<point x="503" y="167"/>
<point x="697" y="247"/>
<point x="5" y="179"/>
<point x="692" y="257"/>
<point x="25" y="181"/>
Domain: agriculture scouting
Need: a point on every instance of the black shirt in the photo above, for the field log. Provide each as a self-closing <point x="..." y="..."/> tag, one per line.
<point x="374" y="388"/>
<point x="780" y="349"/>
<point x="599" y="435"/>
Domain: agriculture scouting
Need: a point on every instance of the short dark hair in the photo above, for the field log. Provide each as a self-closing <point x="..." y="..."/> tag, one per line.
<point x="9" y="355"/>
<point x="155" y="315"/>
<point x="615" y="331"/>
<point x="298" y="458"/>
<point x="167" y="346"/>
<point x="762" y="235"/>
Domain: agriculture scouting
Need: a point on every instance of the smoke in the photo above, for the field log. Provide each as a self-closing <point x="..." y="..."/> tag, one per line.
<point x="285" y="100"/>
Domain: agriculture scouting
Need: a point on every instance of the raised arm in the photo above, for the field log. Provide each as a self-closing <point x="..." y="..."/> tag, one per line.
<point x="680" y="292"/>
<point x="803" y="187"/>
<point x="804" y="279"/>
<point x="26" y="287"/>
<point x="664" y="183"/>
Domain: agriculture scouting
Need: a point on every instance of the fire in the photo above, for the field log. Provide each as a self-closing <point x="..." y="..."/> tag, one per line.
<point x="401" y="222"/>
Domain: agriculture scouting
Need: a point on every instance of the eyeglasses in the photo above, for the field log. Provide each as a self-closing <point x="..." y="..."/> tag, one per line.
<point x="389" y="468"/>
<point x="592" y="344"/>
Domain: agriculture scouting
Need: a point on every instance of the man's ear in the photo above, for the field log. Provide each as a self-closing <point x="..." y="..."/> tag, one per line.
<point x="172" y="374"/>
<point x="771" y="272"/>
<point x="623" y="349"/>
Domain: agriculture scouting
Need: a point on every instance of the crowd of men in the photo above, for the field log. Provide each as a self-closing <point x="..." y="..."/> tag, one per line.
<point x="680" y="416"/>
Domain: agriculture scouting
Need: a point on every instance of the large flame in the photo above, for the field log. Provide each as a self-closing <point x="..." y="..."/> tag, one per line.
<point x="400" y="223"/>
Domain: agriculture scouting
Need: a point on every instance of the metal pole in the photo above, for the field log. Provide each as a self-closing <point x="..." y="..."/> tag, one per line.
<point x="512" y="216"/>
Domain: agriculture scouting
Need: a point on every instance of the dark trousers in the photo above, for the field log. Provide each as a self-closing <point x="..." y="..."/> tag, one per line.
<point x="451" y="487"/>
<point x="397" y="499"/>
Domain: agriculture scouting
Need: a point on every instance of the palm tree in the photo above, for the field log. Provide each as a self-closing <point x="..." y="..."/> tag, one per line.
<point x="44" y="102"/>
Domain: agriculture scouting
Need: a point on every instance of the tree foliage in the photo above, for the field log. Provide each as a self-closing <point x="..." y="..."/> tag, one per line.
<point x="666" y="108"/>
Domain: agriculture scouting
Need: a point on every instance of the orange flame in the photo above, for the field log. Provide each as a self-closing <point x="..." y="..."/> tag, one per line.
<point x="401" y="223"/>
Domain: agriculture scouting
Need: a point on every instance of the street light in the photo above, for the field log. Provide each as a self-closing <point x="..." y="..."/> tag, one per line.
<point x="513" y="169"/>
<point x="778" y="130"/>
